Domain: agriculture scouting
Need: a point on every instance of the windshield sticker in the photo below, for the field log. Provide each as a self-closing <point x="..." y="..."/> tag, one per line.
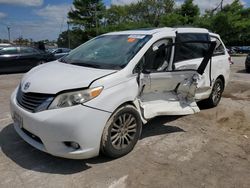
<point x="131" y="39"/>
<point x="136" y="36"/>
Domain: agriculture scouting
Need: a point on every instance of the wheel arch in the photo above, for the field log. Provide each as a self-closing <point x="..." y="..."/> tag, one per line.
<point x="127" y="103"/>
<point x="135" y="104"/>
<point x="104" y="139"/>
<point x="221" y="77"/>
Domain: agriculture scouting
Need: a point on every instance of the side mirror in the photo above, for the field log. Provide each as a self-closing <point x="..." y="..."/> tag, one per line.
<point x="146" y="71"/>
<point x="139" y="67"/>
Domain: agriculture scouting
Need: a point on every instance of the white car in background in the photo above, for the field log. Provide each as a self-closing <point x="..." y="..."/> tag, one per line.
<point x="97" y="98"/>
<point x="4" y="45"/>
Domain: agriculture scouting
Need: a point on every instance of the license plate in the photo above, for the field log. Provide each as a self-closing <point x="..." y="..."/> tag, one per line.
<point x="18" y="120"/>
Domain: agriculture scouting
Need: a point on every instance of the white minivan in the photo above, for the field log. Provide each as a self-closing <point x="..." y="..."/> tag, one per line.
<point x="97" y="97"/>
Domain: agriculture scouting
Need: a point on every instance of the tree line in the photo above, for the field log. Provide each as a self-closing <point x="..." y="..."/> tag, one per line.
<point x="90" y="18"/>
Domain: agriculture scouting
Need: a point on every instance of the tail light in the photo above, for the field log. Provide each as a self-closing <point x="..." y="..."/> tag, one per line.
<point x="230" y="60"/>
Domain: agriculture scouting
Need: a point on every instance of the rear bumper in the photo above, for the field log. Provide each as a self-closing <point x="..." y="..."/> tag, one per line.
<point x="49" y="130"/>
<point x="247" y="62"/>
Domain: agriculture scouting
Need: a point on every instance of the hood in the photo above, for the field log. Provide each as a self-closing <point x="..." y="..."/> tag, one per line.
<point x="54" y="77"/>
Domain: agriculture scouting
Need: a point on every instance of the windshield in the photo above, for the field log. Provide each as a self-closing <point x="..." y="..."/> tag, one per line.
<point x="107" y="51"/>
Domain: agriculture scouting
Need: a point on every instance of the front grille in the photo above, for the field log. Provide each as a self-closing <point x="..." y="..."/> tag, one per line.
<point x="31" y="101"/>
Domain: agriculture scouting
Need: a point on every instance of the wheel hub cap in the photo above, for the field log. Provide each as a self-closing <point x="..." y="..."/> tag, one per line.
<point x="216" y="93"/>
<point x="123" y="131"/>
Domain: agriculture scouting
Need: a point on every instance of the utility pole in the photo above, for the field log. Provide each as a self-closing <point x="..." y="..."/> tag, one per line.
<point x="68" y="36"/>
<point x="221" y="5"/>
<point x="8" y="33"/>
<point x="96" y="19"/>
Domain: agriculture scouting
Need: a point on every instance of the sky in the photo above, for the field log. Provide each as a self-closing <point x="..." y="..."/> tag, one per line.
<point x="46" y="19"/>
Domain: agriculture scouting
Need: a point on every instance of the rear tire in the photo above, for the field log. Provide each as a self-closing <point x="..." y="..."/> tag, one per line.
<point x="216" y="94"/>
<point x="121" y="132"/>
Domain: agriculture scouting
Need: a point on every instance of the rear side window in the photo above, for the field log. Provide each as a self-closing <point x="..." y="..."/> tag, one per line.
<point x="219" y="49"/>
<point x="27" y="50"/>
<point x="9" y="51"/>
<point x="190" y="46"/>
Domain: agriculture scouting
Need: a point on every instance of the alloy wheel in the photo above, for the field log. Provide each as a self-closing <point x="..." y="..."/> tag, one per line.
<point x="217" y="92"/>
<point x="123" y="131"/>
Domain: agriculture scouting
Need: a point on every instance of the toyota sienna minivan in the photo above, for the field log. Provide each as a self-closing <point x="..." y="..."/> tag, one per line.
<point x="97" y="98"/>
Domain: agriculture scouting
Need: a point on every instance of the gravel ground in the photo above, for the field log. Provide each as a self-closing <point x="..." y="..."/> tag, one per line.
<point x="208" y="149"/>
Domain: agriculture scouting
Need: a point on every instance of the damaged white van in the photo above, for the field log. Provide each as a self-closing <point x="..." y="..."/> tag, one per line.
<point x="97" y="98"/>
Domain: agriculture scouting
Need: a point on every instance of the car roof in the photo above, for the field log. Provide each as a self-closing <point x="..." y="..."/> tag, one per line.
<point x="5" y="44"/>
<point x="152" y="31"/>
<point x="59" y="48"/>
<point x="6" y="47"/>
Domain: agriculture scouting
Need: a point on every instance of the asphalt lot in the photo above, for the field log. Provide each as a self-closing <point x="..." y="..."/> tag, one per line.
<point x="208" y="149"/>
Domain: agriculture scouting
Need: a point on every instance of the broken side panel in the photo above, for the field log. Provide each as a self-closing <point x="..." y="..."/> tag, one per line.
<point x="171" y="93"/>
<point x="190" y="51"/>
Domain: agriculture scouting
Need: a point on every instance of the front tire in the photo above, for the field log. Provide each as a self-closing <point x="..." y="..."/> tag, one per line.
<point x="216" y="94"/>
<point x="121" y="132"/>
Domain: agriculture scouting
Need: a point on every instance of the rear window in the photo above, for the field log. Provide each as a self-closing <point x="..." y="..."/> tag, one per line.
<point x="191" y="46"/>
<point x="219" y="49"/>
<point x="58" y="51"/>
<point x="66" y="50"/>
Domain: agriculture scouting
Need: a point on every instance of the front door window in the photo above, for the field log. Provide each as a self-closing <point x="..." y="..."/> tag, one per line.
<point x="158" y="56"/>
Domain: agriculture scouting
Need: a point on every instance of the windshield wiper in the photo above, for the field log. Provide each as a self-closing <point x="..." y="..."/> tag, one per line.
<point x="118" y="67"/>
<point x="87" y="65"/>
<point x="98" y="66"/>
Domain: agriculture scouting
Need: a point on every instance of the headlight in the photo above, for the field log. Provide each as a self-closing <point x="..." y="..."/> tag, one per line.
<point x="74" y="98"/>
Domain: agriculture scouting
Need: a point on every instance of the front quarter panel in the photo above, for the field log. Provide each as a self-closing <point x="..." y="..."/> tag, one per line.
<point x="121" y="91"/>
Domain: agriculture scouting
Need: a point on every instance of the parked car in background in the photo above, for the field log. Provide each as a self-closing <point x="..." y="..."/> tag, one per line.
<point x="21" y="59"/>
<point x="242" y="49"/>
<point x="247" y="63"/>
<point x="231" y="50"/>
<point x="4" y="45"/>
<point x="60" y="52"/>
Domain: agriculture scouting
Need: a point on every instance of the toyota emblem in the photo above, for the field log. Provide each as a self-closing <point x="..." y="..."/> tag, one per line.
<point x="26" y="86"/>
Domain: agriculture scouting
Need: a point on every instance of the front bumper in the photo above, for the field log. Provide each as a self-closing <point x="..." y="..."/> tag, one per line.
<point x="48" y="130"/>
